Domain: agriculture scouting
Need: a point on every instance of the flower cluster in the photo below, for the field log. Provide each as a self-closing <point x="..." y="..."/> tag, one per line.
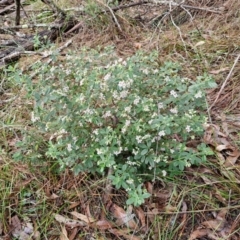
<point x="128" y="114"/>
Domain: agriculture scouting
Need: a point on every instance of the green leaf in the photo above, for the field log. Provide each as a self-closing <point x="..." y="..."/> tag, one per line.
<point x="144" y="152"/>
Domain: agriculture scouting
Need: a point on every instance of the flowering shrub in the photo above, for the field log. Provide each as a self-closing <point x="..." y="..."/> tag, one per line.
<point x="99" y="111"/>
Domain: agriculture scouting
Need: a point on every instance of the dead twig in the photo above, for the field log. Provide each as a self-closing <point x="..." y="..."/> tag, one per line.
<point x="54" y="7"/>
<point x="47" y="54"/>
<point x="24" y="26"/>
<point x="225" y="82"/>
<point x="77" y="26"/>
<point x="129" y="5"/>
<point x="112" y="13"/>
<point x="185" y="6"/>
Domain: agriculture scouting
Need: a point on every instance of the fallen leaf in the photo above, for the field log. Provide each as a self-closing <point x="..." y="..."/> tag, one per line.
<point x="149" y="187"/>
<point x="170" y="209"/>
<point x="123" y="217"/>
<point x="63" y="235"/>
<point x="184" y="217"/>
<point x="141" y="216"/>
<point x="53" y="196"/>
<point x="137" y="45"/>
<point x="199" y="43"/>
<point x="83" y="217"/>
<point x="124" y="233"/>
<point x="199" y="233"/>
<point x="103" y="224"/>
<point x="219" y="70"/>
<point x="88" y="212"/>
<point x="222" y="147"/>
<point x="16" y="222"/>
<point x="231" y="160"/>
<point x="206" y="180"/>
<point x="69" y="222"/>
<point x="73" y="205"/>
<point x="218" y="223"/>
<point x="73" y="233"/>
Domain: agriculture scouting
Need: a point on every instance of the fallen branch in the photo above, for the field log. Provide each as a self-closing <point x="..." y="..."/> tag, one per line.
<point x="129" y="5"/>
<point x="54" y="7"/>
<point x="112" y="13"/>
<point x="24" y="26"/>
<point x="171" y="3"/>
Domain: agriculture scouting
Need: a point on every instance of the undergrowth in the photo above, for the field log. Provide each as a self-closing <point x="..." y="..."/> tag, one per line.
<point x="130" y="115"/>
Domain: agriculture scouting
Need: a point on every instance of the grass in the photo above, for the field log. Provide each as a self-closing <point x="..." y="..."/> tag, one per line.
<point x="35" y="192"/>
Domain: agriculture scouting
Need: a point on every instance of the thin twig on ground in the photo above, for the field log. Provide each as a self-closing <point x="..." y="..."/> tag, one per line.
<point x="225" y="82"/>
<point x="112" y="13"/>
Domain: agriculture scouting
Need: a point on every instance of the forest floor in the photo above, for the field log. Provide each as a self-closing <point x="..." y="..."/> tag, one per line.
<point x="204" y="203"/>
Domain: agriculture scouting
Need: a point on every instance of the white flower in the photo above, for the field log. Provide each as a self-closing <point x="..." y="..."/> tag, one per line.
<point x="198" y="95"/>
<point x="118" y="152"/>
<point x="139" y="139"/>
<point x="165" y="159"/>
<point x="95" y="131"/>
<point x="69" y="147"/>
<point x="155" y="71"/>
<point x="101" y="96"/>
<point x="129" y="181"/>
<point x="157" y="159"/>
<point x="145" y="71"/>
<point x="188" y="128"/>
<point x="89" y="111"/>
<point x="115" y="95"/>
<point x="124" y="129"/>
<point x="164" y="173"/>
<point x="123" y="94"/>
<point x="33" y="118"/>
<point x="173" y="93"/>
<point x="106" y="77"/>
<point x="107" y="114"/>
<point x="167" y="79"/>
<point x="187" y="164"/>
<point x="62" y="131"/>
<point x="65" y="89"/>
<point x="127" y="123"/>
<point x="174" y="110"/>
<point x="146" y="108"/>
<point x="160" y="105"/>
<point x="99" y="151"/>
<point x="130" y="81"/>
<point x="80" y="98"/>
<point x="136" y="101"/>
<point x="127" y="109"/>
<point x="146" y="136"/>
<point x="135" y="151"/>
<point x="161" y="133"/>
<point x="122" y="84"/>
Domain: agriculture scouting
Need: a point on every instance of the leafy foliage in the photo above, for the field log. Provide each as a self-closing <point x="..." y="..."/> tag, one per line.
<point x="99" y="111"/>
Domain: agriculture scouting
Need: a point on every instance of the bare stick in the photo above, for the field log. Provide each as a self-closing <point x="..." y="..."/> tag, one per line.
<point x="225" y="82"/>
<point x="24" y="26"/>
<point x="113" y="15"/>
<point x="18" y="6"/>
<point x="184" y="6"/>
